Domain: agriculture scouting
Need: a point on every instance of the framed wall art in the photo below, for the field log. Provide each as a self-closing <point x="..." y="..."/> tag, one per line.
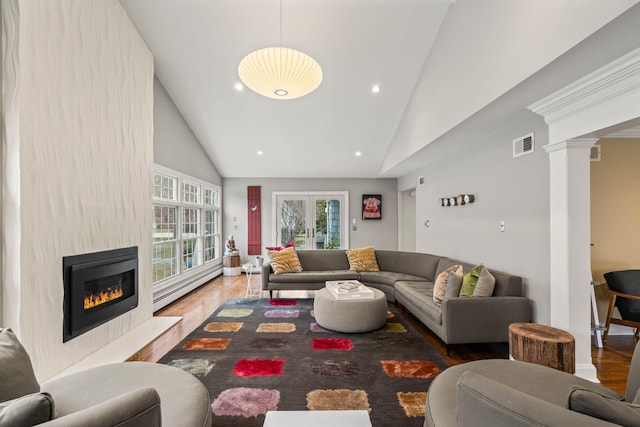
<point x="371" y="206"/>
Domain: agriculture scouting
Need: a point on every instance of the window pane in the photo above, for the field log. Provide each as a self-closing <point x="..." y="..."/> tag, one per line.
<point x="210" y="197"/>
<point x="165" y="260"/>
<point x="164" y="223"/>
<point x="211" y="248"/>
<point x="293" y="223"/>
<point x="190" y="252"/>
<point x="164" y="187"/>
<point x="190" y="193"/>
<point x="209" y="222"/>
<point x="328" y="224"/>
<point x="190" y="223"/>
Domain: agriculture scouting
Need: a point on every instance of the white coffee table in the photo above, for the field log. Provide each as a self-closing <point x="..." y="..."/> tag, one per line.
<point x="358" y="418"/>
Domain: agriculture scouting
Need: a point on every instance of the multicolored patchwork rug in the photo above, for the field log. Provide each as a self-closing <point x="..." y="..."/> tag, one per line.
<point x="258" y="355"/>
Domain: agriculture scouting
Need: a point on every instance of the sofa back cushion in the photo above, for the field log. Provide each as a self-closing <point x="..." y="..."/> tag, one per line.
<point x="17" y="378"/>
<point x="413" y="263"/>
<point x="323" y="260"/>
<point x="505" y="284"/>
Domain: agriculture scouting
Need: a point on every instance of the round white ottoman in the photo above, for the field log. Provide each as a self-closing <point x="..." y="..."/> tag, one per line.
<point x="351" y="316"/>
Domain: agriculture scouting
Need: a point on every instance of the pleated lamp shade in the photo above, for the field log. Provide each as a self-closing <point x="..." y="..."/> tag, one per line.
<point x="280" y="73"/>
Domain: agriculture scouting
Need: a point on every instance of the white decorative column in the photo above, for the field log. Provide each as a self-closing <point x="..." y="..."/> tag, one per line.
<point x="570" y="256"/>
<point x="606" y="100"/>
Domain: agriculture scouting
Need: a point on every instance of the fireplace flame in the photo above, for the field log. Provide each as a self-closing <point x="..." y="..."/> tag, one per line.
<point x="106" y="295"/>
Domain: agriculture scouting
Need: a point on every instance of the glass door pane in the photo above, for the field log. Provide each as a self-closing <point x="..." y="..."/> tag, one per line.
<point x="327" y="231"/>
<point x="292" y="222"/>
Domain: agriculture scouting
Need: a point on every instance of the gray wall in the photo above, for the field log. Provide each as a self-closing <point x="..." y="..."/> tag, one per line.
<point x="382" y="234"/>
<point x="174" y="144"/>
<point x="515" y="191"/>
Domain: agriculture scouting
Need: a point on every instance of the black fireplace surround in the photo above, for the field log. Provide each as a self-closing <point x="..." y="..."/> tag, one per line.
<point x="98" y="287"/>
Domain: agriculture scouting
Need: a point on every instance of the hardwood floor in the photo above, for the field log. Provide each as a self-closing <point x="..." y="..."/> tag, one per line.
<point x="612" y="361"/>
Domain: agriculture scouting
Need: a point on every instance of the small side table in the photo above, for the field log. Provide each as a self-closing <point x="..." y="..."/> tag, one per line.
<point x="543" y="345"/>
<point x="248" y="269"/>
<point x="231" y="265"/>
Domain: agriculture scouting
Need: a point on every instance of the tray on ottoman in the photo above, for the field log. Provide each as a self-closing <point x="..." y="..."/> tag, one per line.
<point x="348" y="290"/>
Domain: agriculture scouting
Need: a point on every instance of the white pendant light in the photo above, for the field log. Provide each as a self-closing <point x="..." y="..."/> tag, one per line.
<point x="280" y="72"/>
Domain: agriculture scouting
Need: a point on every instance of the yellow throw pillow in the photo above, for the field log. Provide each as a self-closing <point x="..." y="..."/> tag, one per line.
<point x="440" y="285"/>
<point x="363" y="259"/>
<point x="285" y="261"/>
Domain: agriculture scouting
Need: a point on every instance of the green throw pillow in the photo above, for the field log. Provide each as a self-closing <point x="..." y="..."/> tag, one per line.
<point x="469" y="281"/>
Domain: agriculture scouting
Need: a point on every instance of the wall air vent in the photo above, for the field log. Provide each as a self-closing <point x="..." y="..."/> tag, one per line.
<point x="523" y="145"/>
<point x="421" y="181"/>
<point x="595" y="153"/>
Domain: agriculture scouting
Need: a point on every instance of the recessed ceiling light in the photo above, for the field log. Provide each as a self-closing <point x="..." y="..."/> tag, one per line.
<point x="358" y="153"/>
<point x="239" y="87"/>
<point x="259" y="152"/>
<point x="375" y="89"/>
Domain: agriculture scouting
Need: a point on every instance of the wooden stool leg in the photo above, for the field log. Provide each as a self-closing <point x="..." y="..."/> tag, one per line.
<point x="612" y="303"/>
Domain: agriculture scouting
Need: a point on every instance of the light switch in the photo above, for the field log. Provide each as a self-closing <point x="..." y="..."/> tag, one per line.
<point x="502" y="226"/>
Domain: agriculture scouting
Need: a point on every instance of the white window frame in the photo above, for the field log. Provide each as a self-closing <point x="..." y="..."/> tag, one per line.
<point x="184" y="274"/>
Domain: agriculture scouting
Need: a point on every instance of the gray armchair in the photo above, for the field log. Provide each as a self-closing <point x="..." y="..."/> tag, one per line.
<point x="129" y="394"/>
<point x="508" y="393"/>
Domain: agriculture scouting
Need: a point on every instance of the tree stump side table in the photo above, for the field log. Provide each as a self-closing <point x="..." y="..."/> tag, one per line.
<point x="231" y="265"/>
<point x="543" y="345"/>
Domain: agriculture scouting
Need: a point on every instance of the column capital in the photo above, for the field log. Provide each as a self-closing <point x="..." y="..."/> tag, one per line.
<point x="574" y="143"/>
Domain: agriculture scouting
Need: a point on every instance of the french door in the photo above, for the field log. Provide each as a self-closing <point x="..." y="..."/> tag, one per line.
<point x="311" y="220"/>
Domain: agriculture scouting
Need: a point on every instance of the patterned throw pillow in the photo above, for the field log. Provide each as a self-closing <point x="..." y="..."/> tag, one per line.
<point x="440" y="285"/>
<point x="469" y="281"/>
<point x="285" y="261"/>
<point x="363" y="259"/>
<point x="486" y="283"/>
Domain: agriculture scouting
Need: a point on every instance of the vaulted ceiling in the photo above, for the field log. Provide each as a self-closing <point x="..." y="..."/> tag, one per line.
<point x="197" y="45"/>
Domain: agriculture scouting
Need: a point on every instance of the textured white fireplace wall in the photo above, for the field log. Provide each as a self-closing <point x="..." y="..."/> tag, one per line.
<point x="82" y="138"/>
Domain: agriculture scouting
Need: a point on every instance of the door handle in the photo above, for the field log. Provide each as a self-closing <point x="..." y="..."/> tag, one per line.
<point x="313" y="233"/>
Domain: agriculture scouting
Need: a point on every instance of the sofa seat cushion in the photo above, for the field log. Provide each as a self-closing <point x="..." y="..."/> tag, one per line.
<point x="422" y="293"/>
<point x="314" y="276"/>
<point x="389" y="278"/>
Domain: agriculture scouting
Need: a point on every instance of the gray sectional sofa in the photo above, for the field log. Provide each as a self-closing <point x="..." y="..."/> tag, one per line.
<point x="407" y="278"/>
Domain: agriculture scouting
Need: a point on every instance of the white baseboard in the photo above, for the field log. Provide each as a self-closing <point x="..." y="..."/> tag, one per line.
<point x="588" y="372"/>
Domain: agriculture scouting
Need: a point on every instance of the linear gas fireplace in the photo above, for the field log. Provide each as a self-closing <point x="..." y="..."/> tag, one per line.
<point x="98" y="287"/>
